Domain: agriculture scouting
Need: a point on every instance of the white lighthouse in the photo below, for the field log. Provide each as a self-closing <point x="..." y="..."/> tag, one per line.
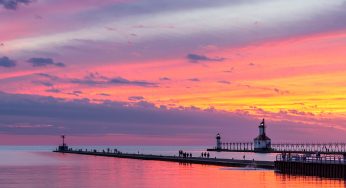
<point x="262" y="143"/>
<point x="218" y="142"/>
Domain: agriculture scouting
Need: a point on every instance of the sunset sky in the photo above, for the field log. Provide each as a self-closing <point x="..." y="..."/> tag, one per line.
<point x="175" y="72"/>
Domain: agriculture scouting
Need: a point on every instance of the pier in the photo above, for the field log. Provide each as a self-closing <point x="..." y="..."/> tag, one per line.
<point x="317" y="164"/>
<point x="330" y="166"/>
<point x="190" y="160"/>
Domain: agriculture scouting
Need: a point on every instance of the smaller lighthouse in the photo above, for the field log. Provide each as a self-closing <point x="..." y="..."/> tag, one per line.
<point x="64" y="146"/>
<point x="218" y="142"/>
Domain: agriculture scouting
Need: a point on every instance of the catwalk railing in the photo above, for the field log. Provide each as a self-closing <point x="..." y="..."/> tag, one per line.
<point x="311" y="147"/>
<point x="304" y="158"/>
<point x="327" y="148"/>
<point x="322" y="165"/>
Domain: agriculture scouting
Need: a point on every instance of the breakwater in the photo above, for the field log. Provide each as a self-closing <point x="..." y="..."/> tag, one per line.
<point x="191" y="160"/>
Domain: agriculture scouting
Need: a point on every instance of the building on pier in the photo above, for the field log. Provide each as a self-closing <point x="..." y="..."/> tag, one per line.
<point x="262" y="143"/>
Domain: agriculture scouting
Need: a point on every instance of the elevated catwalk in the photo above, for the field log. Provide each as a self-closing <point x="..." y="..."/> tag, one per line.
<point x="322" y="148"/>
<point x="262" y="144"/>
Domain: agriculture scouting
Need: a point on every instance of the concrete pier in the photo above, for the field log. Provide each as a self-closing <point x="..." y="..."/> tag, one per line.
<point x="191" y="160"/>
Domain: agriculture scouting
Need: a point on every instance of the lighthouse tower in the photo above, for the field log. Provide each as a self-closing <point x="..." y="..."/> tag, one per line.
<point x="218" y="142"/>
<point x="64" y="146"/>
<point x="262" y="143"/>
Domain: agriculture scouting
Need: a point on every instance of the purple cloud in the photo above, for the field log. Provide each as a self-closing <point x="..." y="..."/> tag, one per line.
<point x="42" y="62"/>
<point x="104" y="94"/>
<point x="136" y="98"/>
<point x="7" y="62"/>
<point x="13" y="4"/>
<point x="82" y="117"/>
<point x="94" y="79"/>
<point x="53" y="90"/>
<point x="196" y="58"/>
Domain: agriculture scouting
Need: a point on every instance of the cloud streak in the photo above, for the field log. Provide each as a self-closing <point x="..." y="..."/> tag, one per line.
<point x="136" y="98"/>
<point x="224" y="82"/>
<point x="196" y="58"/>
<point x="96" y="79"/>
<point x="194" y="79"/>
<point x="43" y="62"/>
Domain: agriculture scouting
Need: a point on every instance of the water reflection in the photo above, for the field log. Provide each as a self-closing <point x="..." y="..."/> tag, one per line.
<point x="68" y="170"/>
<point x="310" y="181"/>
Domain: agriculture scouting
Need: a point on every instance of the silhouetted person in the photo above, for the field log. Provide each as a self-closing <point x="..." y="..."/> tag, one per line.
<point x="208" y="155"/>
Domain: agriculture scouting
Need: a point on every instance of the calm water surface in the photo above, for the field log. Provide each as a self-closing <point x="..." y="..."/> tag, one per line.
<point x="36" y="167"/>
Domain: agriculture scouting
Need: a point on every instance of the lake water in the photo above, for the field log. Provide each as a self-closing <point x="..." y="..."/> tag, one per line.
<point x="38" y="167"/>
